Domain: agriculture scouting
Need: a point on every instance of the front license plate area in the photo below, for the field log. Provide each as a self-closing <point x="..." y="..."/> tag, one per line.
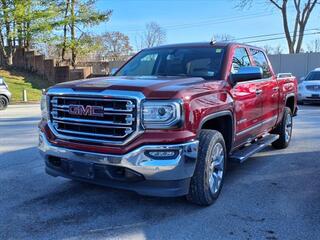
<point x="315" y="96"/>
<point x="80" y="169"/>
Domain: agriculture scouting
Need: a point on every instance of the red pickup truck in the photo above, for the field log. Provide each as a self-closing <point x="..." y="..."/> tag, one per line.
<point x="169" y="121"/>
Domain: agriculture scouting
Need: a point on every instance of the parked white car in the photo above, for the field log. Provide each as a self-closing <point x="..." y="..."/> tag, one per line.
<point x="5" y="95"/>
<point x="309" y="87"/>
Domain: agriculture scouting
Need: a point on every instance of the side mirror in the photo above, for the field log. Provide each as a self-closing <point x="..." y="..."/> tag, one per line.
<point x="1" y="81"/>
<point x="246" y="74"/>
<point x="113" y="71"/>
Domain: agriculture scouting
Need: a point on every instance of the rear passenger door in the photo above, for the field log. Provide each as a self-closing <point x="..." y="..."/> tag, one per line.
<point x="247" y="99"/>
<point x="269" y="88"/>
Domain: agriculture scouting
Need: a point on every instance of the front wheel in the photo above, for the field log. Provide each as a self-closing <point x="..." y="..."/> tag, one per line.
<point x="284" y="130"/>
<point x="207" y="181"/>
<point x="3" y="102"/>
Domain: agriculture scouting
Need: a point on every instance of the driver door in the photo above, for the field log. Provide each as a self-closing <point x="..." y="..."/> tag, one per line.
<point x="248" y="100"/>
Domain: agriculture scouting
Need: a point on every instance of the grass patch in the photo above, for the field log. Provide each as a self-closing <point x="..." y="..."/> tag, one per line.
<point x="17" y="81"/>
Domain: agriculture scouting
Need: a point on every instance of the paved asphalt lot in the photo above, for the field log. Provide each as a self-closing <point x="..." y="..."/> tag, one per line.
<point x="274" y="195"/>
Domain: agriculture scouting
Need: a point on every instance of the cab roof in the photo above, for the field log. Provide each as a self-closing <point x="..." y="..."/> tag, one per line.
<point x="203" y="44"/>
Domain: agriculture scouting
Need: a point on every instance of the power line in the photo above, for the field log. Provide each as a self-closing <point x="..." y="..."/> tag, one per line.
<point x="278" y="38"/>
<point x="272" y="34"/>
<point x="209" y="22"/>
<point x="220" y="22"/>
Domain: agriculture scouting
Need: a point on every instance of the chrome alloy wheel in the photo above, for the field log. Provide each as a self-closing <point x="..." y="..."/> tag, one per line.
<point x="216" y="168"/>
<point x="288" y="127"/>
<point x="3" y="103"/>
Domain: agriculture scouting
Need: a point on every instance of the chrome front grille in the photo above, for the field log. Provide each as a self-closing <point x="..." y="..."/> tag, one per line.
<point x="315" y="88"/>
<point x="101" y="120"/>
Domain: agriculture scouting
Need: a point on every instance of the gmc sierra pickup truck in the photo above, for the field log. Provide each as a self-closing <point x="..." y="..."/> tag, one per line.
<point x="169" y="121"/>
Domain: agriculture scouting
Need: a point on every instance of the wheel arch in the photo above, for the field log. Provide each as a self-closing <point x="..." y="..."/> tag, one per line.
<point x="1" y="94"/>
<point x="291" y="102"/>
<point x="224" y="123"/>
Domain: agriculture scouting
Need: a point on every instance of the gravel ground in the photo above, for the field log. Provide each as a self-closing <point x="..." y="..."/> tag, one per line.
<point x="273" y="195"/>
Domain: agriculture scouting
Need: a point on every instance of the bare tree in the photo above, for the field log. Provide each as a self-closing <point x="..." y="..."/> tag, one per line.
<point x="223" y="37"/>
<point x="154" y="35"/>
<point x="314" y="45"/>
<point x="268" y="49"/>
<point x="278" y="49"/>
<point x="117" y="46"/>
<point x="49" y="49"/>
<point x="302" y="11"/>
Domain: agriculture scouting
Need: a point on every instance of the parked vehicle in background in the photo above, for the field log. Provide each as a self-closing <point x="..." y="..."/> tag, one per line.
<point x="5" y="94"/>
<point x="309" y="88"/>
<point x="169" y="121"/>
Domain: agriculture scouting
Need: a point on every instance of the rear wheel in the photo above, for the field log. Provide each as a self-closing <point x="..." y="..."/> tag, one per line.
<point x="3" y="102"/>
<point x="207" y="181"/>
<point x="284" y="130"/>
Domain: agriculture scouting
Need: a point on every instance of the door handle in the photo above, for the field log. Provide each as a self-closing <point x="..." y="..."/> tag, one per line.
<point x="275" y="89"/>
<point x="258" y="91"/>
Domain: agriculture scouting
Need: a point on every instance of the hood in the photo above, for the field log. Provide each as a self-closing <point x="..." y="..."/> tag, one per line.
<point x="150" y="86"/>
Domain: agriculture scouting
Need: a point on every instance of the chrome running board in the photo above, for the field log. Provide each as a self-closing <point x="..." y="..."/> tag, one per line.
<point x="243" y="154"/>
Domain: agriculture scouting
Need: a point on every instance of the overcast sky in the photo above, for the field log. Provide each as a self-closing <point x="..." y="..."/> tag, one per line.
<point x="198" y="20"/>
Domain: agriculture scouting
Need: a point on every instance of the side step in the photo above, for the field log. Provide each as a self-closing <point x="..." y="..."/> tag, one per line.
<point x="242" y="155"/>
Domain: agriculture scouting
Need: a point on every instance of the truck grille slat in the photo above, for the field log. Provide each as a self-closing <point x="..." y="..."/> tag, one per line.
<point x="106" y="110"/>
<point x="95" y="119"/>
<point x="127" y="123"/>
<point x="91" y="134"/>
<point x="91" y="125"/>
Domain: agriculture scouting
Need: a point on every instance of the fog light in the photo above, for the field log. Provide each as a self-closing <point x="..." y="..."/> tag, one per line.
<point x="162" y="154"/>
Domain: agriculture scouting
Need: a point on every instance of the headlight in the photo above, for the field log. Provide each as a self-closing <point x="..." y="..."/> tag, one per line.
<point x="301" y="88"/>
<point x="161" y="114"/>
<point x="44" y="108"/>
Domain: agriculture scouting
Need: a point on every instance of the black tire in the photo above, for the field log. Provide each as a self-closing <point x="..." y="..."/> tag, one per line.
<point x="284" y="130"/>
<point x="3" y="102"/>
<point x="201" y="192"/>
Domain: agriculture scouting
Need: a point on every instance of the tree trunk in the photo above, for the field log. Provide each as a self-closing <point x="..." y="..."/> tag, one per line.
<point x="10" y="58"/>
<point x="6" y="18"/>
<point x="28" y="30"/>
<point x="20" y="34"/>
<point x="73" y="35"/>
<point x="2" y="49"/>
<point x="28" y="36"/>
<point x="64" y="46"/>
<point x="286" y="28"/>
<point x="300" y="39"/>
<point x="24" y="33"/>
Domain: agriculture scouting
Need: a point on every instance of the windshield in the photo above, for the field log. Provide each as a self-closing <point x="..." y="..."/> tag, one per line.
<point x="202" y="62"/>
<point x="313" y="76"/>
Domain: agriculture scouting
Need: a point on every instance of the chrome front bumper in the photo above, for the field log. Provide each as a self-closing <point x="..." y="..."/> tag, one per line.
<point x="180" y="167"/>
<point x="309" y="96"/>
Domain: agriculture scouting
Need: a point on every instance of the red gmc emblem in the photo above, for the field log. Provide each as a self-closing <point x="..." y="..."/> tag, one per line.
<point x="80" y="110"/>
